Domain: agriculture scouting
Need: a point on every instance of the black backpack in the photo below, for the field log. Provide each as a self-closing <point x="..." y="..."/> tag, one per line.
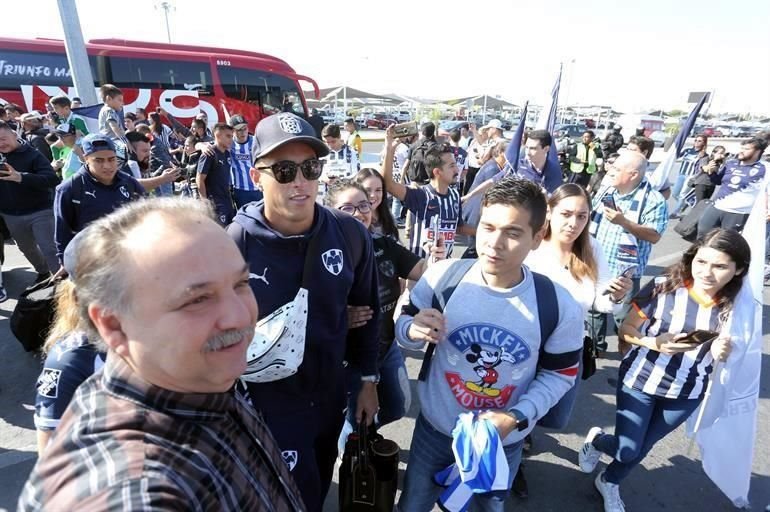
<point x="418" y="172"/>
<point x="33" y="315"/>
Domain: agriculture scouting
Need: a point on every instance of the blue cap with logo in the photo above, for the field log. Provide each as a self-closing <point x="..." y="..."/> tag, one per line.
<point x="274" y="131"/>
<point x="96" y="142"/>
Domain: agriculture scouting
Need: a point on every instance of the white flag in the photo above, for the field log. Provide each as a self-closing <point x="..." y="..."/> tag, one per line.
<point x="728" y="429"/>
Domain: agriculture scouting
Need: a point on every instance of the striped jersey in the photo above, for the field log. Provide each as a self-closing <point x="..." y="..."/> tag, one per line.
<point x="342" y="164"/>
<point x="240" y="164"/>
<point x="433" y="213"/>
<point x="690" y="158"/>
<point x="682" y="375"/>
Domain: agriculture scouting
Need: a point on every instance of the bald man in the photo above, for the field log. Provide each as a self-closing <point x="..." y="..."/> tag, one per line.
<point x="628" y="217"/>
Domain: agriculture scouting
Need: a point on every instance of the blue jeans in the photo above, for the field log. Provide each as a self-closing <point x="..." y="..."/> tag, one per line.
<point x="431" y="451"/>
<point x="165" y="190"/>
<point x="641" y="420"/>
<point x="243" y="197"/>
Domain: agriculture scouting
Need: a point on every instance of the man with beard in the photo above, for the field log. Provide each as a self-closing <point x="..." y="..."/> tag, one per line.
<point x="138" y="165"/>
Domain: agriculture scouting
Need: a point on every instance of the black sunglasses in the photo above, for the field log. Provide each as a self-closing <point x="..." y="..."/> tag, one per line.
<point x="285" y="171"/>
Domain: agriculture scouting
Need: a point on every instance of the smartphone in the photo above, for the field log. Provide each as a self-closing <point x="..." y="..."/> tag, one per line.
<point x="699" y="337"/>
<point x="629" y="271"/>
<point x="609" y="202"/>
<point x="405" y="129"/>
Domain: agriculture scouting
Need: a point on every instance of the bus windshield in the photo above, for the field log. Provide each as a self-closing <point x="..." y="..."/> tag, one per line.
<point x="273" y="92"/>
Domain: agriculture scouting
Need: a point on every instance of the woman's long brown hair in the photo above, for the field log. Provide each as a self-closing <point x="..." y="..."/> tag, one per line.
<point x="582" y="261"/>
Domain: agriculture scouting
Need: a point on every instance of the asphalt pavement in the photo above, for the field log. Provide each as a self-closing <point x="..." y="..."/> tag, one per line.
<point x="668" y="479"/>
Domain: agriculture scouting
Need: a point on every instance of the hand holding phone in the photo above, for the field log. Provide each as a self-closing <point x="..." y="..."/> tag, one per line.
<point x="609" y="202"/>
<point x="699" y="337"/>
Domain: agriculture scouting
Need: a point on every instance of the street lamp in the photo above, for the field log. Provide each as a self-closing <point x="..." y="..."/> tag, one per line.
<point x="167" y="7"/>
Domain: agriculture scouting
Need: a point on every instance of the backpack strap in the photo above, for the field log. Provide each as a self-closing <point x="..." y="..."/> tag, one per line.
<point x="445" y="287"/>
<point x="78" y="187"/>
<point x="547" y="307"/>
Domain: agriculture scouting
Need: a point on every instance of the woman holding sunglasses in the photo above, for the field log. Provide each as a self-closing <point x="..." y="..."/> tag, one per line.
<point x="394" y="262"/>
<point x="663" y="378"/>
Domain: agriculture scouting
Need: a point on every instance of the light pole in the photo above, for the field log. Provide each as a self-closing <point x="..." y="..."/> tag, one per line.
<point x="571" y="65"/>
<point x="76" y="52"/>
<point x="167" y="8"/>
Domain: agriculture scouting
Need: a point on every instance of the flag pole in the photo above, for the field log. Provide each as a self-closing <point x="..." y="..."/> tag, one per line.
<point x="702" y="410"/>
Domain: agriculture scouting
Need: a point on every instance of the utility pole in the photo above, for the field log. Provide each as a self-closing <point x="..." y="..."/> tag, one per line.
<point x="167" y="7"/>
<point x="76" y="52"/>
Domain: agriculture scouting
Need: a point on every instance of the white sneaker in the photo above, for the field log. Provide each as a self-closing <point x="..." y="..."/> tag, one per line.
<point x="589" y="456"/>
<point x="610" y="493"/>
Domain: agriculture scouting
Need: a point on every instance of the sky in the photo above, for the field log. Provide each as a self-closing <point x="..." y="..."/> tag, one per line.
<point x="633" y="56"/>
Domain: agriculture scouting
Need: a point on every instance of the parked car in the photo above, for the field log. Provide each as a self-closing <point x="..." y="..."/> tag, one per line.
<point x="448" y="126"/>
<point x="659" y="138"/>
<point x="380" y="121"/>
<point x="743" y="131"/>
<point x="573" y="131"/>
<point x="403" y="116"/>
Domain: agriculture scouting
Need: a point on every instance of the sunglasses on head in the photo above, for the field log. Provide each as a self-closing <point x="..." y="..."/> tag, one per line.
<point x="285" y="171"/>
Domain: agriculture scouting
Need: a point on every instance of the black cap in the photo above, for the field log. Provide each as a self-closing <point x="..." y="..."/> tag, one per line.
<point x="274" y="131"/>
<point x="238" y="121"/>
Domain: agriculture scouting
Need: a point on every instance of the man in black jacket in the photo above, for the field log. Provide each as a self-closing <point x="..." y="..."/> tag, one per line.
<point x="34" y="133"/>
<point x="27" y="181"/>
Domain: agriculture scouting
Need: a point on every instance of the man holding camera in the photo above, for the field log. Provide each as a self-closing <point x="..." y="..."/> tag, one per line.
<point x="27" y="181"/>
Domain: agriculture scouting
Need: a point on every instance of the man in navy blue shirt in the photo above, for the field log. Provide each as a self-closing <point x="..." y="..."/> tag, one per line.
<point x="306" y="265"/>
<point x="213" y="177"/>
<point x="95" y="190"/>
<point x="536" y="166"/>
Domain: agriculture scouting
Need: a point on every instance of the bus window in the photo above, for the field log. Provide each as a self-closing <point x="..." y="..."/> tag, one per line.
<point x="143" y="73"/>
<point x="19" y="68"/>
<point x="262" y="88"/>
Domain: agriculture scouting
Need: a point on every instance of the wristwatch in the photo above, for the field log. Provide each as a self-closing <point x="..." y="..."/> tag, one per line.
<point x="370" y="378"/>
<point x="522" y="422"/>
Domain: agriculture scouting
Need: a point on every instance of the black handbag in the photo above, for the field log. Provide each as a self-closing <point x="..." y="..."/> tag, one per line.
<point x="590" y="350"/>
<point x="688" y="226"/>
<point x="33" y="315"/>
<point x="368" y="474"/>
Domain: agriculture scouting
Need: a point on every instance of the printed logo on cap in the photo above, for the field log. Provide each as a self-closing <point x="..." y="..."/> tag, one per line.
<point x="289" y="123"/>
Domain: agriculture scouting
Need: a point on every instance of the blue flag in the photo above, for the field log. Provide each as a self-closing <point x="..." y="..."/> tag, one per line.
<point x="90" y="115"/>
<point x="514" y="148"/>
<point x="661" y="176"/>
<point x="688" y="125"/>
<point x="549" y="123"/>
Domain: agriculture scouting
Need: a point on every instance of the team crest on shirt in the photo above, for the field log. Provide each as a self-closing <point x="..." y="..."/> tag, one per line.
<point x="48" y="383"/>
<point x="289" y="123"/>
<point x="290" y="458"/>
<point x="387" y="268"/>
<point x="332" y="260"/>
<point x="490" y="354"/>
<point x="124" y="192"/>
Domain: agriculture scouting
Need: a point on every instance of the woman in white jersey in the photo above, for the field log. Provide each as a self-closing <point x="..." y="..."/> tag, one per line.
<point x="568" y="255"/>
<point x="664" y="375"/>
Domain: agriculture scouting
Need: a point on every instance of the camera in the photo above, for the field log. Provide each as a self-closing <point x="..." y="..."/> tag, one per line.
<point x="405" y="129"/>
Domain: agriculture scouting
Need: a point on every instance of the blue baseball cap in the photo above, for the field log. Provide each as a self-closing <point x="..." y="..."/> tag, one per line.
<point x="96" y="142"/>
<point x="274" y="131"/>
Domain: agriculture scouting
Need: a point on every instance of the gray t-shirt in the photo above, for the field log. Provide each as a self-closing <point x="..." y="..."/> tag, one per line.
<point x="107" y="114"/>
<point x="489" y="359"/>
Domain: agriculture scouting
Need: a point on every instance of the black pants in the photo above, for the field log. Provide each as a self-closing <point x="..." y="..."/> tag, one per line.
<point x="581" y="178"/>
<point x="713" y="217"/>
<point x="703" y="192"/>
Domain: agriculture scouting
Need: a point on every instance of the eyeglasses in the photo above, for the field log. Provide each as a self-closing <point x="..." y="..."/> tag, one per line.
<point x="285" y="171"/>
<point x="363" y="207"/>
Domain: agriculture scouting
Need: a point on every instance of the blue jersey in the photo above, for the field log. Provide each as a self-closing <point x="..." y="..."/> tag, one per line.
<point x="690" y="158"/>
<point x="69" y="363"/>
<point x="240" y="156"/>
<point x="81" y="199"/>
<point x="216" y="169"/>
<point x="740" y="185"/>
<point x="682" y="375"/>
<point x="434" y="214"/>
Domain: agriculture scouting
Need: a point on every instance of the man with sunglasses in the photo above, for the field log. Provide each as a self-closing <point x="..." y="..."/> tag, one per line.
<point x="213" y="177"/>
<point x="307" y="264"/>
